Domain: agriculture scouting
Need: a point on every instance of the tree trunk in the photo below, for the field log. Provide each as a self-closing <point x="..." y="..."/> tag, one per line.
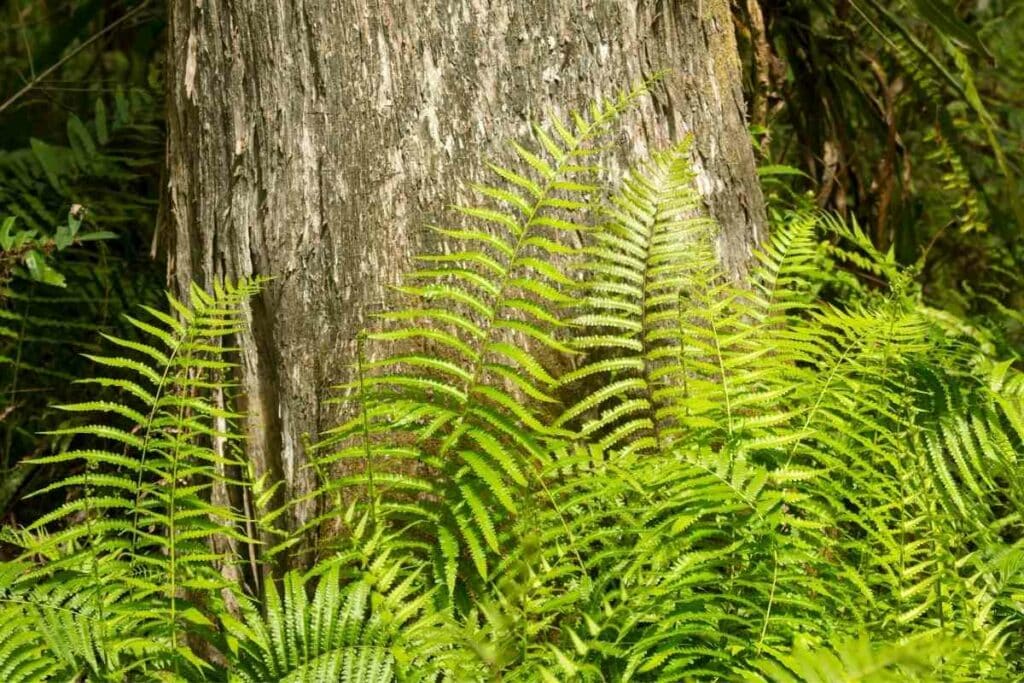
<point x="312" y="141"/>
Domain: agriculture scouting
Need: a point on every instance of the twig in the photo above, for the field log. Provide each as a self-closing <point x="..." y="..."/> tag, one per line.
<point x="60" y="62"/>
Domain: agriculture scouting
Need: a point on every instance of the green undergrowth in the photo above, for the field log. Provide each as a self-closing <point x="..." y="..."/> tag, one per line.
<point x="575" y="451"/>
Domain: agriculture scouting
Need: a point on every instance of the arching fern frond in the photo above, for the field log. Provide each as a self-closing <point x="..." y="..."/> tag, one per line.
<point x="465" y="375"/>
<point x="141" y="522"/>
<point x="858" y="660"/>
<point x="648" y="256"/>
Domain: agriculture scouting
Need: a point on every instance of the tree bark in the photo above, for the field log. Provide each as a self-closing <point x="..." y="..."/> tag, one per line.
<point x="312" y="141"/>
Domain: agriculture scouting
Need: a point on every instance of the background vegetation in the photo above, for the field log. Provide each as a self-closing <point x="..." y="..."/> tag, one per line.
<point x="81" y="135"/>
<point x="906" y="116"/>
<point x="816" y="479"/>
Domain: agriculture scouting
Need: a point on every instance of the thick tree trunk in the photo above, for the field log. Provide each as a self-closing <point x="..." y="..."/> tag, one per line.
<point x="311" y="141"/>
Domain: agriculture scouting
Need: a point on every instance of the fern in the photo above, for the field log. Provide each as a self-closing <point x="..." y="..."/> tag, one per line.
<point x="743" y="467"/>
<point x="144" y="520"/>
<point x="463" y="394"/>
<point x="857" y="660"/>
<point x="576" y="452"/>
<point x="371" y="618"/>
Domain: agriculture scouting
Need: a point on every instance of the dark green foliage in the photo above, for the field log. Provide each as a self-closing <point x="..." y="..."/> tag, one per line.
<point x="80" y="158"/>
<point x="102" y="164"/>
<point x="575" y="452"/>
<point x="906" y="115"/>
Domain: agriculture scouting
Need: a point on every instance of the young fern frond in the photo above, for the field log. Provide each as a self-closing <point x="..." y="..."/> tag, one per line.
<point x="364" y="623"/>
<point x="639" y="266"/>
<point x="789" y="270"/>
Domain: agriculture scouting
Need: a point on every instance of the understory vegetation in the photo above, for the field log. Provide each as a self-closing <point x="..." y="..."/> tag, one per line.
<point x="572" y="450"/>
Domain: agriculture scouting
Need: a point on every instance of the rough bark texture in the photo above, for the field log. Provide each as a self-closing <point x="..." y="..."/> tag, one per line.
<point x="312" y="141"/>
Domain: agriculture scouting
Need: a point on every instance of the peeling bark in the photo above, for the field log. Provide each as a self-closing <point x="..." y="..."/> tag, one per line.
<point x="312" y="141"/>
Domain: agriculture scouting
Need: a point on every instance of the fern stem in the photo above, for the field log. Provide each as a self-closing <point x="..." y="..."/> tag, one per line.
<point x="821" y="396"/>
<point x="771" y="596"/>
<point x="147" y="432"/>
<point x="721" y="368"/>
<point x="172" y="513"/>
<point x="645" y="307"/>
<point x="94" y="561"/>
<point x="360" y="361"/>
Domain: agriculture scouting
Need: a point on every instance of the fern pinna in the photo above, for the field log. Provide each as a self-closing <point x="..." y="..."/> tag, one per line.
<point x="578" y="452"/>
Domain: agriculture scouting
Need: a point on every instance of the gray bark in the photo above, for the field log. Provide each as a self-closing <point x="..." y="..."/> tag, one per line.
<point x="312" y="141"/>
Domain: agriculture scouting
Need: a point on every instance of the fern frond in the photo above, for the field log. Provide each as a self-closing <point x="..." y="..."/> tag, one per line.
<point x="640" y="266"/>
<point x="483" y="373"/>
<point x="157" y="470"/>
<point x="363" y="624"/>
